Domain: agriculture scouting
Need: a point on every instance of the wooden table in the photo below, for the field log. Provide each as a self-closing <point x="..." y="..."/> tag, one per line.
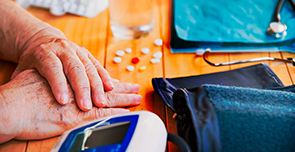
<point x="95" y="35"/>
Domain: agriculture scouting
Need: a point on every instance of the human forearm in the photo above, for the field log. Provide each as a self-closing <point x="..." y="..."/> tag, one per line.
<point x="19" y="31"/>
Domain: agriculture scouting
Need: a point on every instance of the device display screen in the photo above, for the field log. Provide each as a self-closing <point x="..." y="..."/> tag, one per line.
<point x="101" y="136"/>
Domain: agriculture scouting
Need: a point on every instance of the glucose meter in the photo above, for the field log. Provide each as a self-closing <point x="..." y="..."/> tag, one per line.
<point x="134" y="131"/>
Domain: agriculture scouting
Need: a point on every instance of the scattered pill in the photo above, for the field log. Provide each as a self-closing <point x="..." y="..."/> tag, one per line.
<point x="135" y="60"/>
<point x="158" y="42"/>
<point x="130" y="68"/>
<point x="155" y="60"/>
<point x="128" y="50"/>
<point x="117" y="59"/>
<point x="158" y="54"/>
<point x="142" y="68"/>
<point x="145" y="50"/>
<point x="120" y="53"/>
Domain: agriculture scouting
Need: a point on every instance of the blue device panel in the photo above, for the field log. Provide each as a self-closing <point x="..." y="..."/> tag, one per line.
<point x="111" y="138"/>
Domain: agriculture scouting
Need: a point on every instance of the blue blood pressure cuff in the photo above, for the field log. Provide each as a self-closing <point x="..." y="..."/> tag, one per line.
<point x="229" y="25"/>
<point x="214" y="118"/>
<point x="256" y="76"/>
<point x="245" y="109"/>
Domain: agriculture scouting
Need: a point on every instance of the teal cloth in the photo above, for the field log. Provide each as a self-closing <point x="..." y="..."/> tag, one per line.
<point x="254" y="119"/>
<point x="230" y="20"/>
<point x="229" y="26"/>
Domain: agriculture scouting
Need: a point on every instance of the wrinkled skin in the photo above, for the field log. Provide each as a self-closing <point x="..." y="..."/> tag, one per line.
<point x="34" y="44"/>
<point x="64" y="60"/>
<point x="30" y="110"/>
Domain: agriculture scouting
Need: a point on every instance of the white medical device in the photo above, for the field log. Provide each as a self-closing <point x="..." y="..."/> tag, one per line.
<point x="87" y="8"/>
<point x="132" y="132"/>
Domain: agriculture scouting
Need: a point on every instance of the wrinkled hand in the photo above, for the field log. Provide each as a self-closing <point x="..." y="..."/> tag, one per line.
<point x="30" y="110"/>
<point x="63" y="60"/>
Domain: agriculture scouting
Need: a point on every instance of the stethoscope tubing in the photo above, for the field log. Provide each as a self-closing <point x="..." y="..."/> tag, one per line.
<point x="289" y="60"/>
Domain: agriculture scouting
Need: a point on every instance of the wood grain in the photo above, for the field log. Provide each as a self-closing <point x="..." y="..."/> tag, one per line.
<point x="95" y="35"/>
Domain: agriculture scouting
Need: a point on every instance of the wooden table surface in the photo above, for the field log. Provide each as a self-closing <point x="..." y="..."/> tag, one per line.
<point x="95" y="35"/>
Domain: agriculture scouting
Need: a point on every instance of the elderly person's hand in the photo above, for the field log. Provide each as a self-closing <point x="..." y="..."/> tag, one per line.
<point x="28" y="109"/>
<point x="34" y="44"/>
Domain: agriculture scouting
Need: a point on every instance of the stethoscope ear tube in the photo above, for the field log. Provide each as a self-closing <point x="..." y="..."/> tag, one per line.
<point x="288" y="60"/>
<point x="179" y="142"/>
<point x="292" y="4"/>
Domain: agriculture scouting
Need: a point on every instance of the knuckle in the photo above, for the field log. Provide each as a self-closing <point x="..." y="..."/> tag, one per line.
<point x="62" y="42"/>
<point x="128" y="87"/>
<point x="74" y="67"/>
<point x="89" y="67"/>
<point x="83" y="88"/>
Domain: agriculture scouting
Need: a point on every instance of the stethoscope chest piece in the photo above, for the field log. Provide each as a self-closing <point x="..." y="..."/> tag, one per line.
<point x="277" y="29"/>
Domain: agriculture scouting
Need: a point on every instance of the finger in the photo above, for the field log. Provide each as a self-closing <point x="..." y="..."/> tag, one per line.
<point x="106" y="79"/>
<point x="122" y="87"/>
<point x="115" y="80"/>
<point x="51" y="68"/>
<point x="103" y="112"/>
<point x="75" y="72"/>
<point x="97" y="89"/>
<point x="20" y="68"/>
<point x="122" y="100"/>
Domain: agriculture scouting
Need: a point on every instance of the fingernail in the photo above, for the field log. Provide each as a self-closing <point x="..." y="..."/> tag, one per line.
<point x="124" y="110"/>
<point x="110" y="83"/>
<point x="64" y="98"/>
<point x="102" y="99"/>
<point x="87" y="104"/>
<point x="135" y="87"/>
<point x="138" y="98"/>
<point x="116" y="80"/>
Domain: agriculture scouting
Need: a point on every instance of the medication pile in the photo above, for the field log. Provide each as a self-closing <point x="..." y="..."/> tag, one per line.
<point x="156" y="57"/>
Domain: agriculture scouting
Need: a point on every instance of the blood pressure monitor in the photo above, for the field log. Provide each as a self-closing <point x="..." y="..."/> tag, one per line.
<point x="134" y="131"/>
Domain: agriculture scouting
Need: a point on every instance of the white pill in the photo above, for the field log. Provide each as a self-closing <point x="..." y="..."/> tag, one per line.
<point x="117" y="59"/>
<point x="128" y="50"/>
<point x="158" y="42"/>
<point x="155" y="60"/>
<point x="120" y="53"/>
<point x="158" y="54"/>
<point x="145" y="50"/>
<point x="130" y="68"/>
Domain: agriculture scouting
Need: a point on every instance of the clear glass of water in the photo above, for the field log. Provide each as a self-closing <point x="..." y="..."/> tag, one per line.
<point x="131" y="19"/>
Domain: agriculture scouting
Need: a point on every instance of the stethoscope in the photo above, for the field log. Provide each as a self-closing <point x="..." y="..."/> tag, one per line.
<point x="277" y="28"/>
<point x="288" y="60"/>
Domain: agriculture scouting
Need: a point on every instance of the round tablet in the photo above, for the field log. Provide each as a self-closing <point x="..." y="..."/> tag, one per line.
<point x="128" y="50"/>
<point x="130" y="68"/>
<point x="158" y="42"/>
<point x="157" y="54"/>
<point x="142" y="68"/>
<point x="155" y="60"/>
<point x="120" y="53"/>
<point x="135" y="60"/>
<point x="117" y="59"/>
<point x="145" y="50"/>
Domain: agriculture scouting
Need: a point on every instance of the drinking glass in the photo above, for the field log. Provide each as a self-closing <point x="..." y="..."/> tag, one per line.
<point x="131" y="19"/>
